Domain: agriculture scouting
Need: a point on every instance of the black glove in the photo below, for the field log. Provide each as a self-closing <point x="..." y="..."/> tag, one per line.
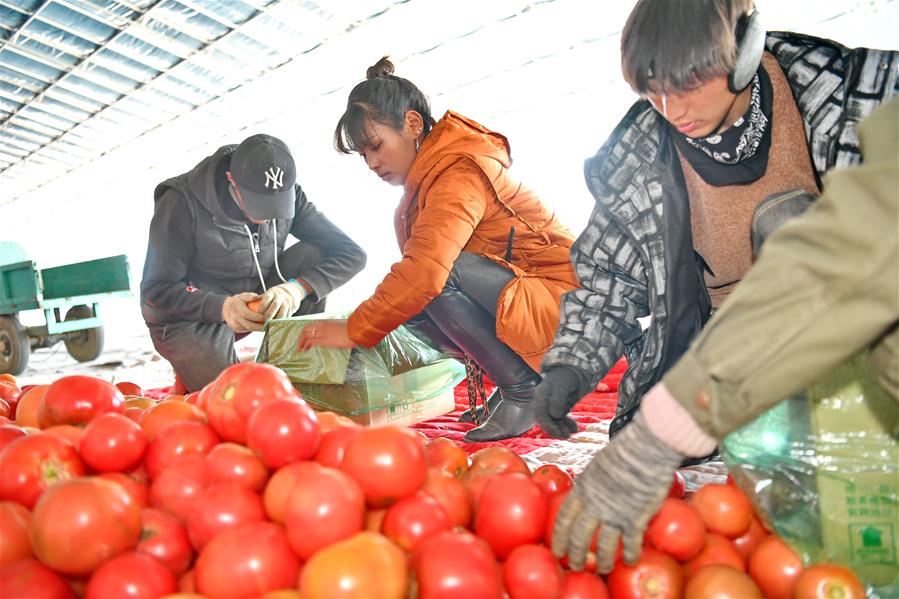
<point x="619" y="492"/>
<point x="553" y="399"/>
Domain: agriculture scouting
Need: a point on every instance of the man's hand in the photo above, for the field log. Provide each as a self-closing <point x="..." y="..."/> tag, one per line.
<point x="282" y="300"/>
<point x="553" y="399"/>
<point x="619" y="492"/>
<point x="238" y="316"/>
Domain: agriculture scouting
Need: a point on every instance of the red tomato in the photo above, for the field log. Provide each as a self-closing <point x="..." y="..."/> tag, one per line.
<point x="717" y="550"/>
<point x="78" y="399"/>
<point x="165" y="538"/>
<point x="279" y="487"/>
<point x="451" y="565"/>
<point x="143" y="403"/>
<point x="283" y="431"/>
<point x="221" y="507"/>
<point x="512" y="513"/>
<point x="238" y="392"/>
<point x="374" y="519"/>
<point x="10" y="393"/>
<point x="246" y="562"/>
<point x="583" y="585"/>
<point x="497" y="458"/>
<point x="677" y="530"/>
<point x="724" y="509"/>
<point x="552" y="480"/>
<point x="323" y="507"/>
<point x="138" y="491"/>
<point x="14" y="544"/>
<point x="28" y="466"/>
<point x="187" y="586"/>
<point x="412" y="520"/>
<point x="450" y="494"/>
<point x="135" y="575"/>
<point x="9" y="433"/>
<point x="721" y="582"/>
<point x="678" y="486"/>
<point x="29" y="404"/>
<point x="6" y="411"/>
<point x="775" y="567"/>
<point x="67" y="432"/>
<point x="532" y="571"/>
<point x="233" y="463"/>
<point x="388" y="463"/>
<point x="364" y="566"/>
<point x="128" y="388"/>
<point x="328" y="421"/>
<point x="445" y="455"/>
<point x="164" y="413"/>
<point x="175" y="490"/>
<point x="825" y="581"/>
<point x="30" y="578"/>
<point x="474" y="483"/>
<point x="655" y="575"/>
<point x="749" y="540"/>
<point x="79" y="524"/>
<point x="177" y="441"/>
<point x="113" y="443"/>
<point x="333" y="444"/>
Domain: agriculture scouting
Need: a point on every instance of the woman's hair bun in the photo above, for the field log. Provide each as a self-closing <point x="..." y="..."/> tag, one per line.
<point x="382" y="68"/>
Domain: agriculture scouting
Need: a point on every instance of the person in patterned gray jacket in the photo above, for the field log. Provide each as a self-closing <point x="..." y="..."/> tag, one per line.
<point x="733" y="132"/>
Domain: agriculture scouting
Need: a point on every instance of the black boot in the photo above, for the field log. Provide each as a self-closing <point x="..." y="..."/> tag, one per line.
<point x="473" y="330"/>
<point x="427" y="331"/>
<point x="493" y="401"/>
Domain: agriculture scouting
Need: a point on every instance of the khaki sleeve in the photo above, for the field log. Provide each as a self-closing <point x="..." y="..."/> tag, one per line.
<point x="825" y="286"/>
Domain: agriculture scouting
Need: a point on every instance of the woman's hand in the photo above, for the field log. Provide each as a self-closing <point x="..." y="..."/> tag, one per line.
<point x="325" y="333"/>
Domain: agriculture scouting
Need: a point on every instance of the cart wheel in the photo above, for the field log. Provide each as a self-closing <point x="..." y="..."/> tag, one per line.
<point x="87" y="344"/>
<point x="14" y="346"/>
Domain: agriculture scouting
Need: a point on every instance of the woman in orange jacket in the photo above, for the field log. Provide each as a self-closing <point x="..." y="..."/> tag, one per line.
<point x="484" y="262"/>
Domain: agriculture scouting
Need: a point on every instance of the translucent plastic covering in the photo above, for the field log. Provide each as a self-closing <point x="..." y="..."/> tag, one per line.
<point x="823" y="469"/>
<point x="400" y="369"/>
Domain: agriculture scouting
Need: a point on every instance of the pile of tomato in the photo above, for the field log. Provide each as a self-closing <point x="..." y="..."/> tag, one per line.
<point x="242" y="490"/>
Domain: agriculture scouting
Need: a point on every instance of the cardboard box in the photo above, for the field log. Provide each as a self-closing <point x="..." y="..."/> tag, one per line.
<point x="404" y="414"/>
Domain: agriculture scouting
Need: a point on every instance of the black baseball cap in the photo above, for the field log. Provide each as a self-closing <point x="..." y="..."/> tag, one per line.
<point x="264" y="173"/>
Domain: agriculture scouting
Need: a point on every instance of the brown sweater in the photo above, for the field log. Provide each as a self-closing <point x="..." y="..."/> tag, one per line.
<point x="721" y="216"/>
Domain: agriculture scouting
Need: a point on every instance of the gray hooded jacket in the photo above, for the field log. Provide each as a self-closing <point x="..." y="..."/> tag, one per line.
<point x="201" y="250"/>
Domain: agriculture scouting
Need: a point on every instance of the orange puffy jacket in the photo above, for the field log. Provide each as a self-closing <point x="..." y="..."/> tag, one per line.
<point x="459" y="196"/>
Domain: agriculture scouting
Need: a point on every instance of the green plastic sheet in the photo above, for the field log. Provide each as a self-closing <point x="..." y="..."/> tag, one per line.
<point x="399" y="370"/>
<point x="823" y="470"/>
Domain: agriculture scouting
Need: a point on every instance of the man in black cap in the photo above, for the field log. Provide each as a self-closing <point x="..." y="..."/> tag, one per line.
<point x="217" y="242"/>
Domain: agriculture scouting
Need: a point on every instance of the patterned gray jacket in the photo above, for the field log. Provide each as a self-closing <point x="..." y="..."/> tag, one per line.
<point x="636" y="256"/>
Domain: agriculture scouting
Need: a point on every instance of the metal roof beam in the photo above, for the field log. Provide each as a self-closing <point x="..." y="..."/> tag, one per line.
<point x="213" y="45"/>
<point x="25" y="24"/>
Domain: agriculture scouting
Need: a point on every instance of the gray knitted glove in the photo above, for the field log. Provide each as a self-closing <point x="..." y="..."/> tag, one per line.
<point x="620" y="490"/>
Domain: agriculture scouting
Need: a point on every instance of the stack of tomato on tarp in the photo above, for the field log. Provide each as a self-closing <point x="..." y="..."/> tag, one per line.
<point x="241" y="490"/>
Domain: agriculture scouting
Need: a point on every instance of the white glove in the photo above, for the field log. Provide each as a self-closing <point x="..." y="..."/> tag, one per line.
<point x="239" y="317"/>
<point x="282" y="300"/>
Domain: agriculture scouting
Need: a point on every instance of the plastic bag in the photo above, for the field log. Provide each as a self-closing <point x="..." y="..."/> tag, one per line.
<point x="823" y="470"/>
<point x="400" y="370"/>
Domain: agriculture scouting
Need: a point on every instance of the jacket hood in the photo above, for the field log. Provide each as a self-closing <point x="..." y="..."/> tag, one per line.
<point x="454" y="136"/>
<point x="200" y="182"/>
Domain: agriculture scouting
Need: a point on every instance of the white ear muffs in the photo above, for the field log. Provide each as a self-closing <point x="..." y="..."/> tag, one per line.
<point x="750" y="46"/>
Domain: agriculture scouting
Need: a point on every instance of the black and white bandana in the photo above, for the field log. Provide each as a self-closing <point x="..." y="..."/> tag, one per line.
<point x="739" y="155"/>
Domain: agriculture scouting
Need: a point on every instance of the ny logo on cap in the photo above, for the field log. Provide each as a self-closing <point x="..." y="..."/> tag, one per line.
<point x="274" y="176"/>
